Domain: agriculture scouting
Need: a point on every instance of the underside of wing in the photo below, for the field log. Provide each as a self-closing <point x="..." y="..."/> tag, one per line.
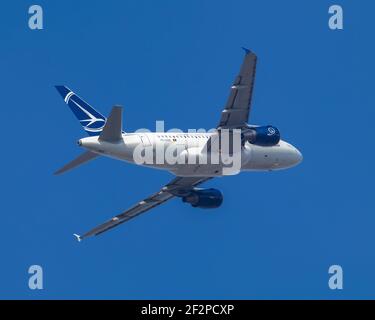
<point x="237" y="108"/>
<point x="176" y="187"/>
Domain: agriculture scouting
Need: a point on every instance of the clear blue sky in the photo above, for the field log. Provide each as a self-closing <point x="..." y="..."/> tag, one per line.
<point x="275" y="235"/>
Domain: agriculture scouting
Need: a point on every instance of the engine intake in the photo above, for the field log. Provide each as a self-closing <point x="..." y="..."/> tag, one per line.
<point x="261" y="136"/>
<point x="204" y="198"/>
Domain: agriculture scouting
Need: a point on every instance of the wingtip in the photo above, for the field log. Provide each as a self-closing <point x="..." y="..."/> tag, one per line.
<point x="247" y="51"/>
<point x="78" y="237"/>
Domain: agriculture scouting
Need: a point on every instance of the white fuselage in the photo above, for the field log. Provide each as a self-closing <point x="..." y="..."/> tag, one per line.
<point x="252" y="157"/>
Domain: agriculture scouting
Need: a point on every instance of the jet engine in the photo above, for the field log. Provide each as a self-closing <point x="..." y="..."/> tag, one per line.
<point x="204" y="198"/>
<point x="261" y="136"/>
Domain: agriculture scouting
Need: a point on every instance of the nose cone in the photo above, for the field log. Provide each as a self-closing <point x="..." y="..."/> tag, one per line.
<point x="289" y="156"/>
<point x="297" y="157"/>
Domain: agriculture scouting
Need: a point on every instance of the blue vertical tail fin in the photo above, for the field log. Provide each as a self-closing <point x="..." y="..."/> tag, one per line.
<point x="91" y="120"/>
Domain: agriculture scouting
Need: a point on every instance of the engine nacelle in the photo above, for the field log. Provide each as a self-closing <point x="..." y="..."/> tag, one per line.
<point x="261" y="136"/>
<point x="204" y="198"/>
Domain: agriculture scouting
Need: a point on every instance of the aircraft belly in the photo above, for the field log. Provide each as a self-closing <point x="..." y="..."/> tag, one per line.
<point x="198" y="170"/>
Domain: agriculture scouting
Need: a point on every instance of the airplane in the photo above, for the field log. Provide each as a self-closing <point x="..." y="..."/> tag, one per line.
<point x="261" y="148"/>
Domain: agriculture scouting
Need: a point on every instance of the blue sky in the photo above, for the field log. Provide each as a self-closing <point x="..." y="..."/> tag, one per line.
<point x="275" y="235"/>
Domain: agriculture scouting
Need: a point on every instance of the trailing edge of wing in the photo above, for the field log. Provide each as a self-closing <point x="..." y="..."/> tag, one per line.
<point x="167" y="192"/>
<point x="83" y="158"/>
<point x="237" y="109"/>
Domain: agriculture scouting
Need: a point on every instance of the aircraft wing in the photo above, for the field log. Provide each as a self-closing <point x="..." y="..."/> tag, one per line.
<point x="237" y="108"/>
<point x="178" y="186"/>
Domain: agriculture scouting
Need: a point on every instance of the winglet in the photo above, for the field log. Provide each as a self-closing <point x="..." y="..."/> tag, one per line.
<point x="247" y="51"/>
<point x="78" y="237"/>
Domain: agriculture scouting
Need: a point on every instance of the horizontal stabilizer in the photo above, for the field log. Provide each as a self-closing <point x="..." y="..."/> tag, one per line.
<point x="112" y="131"/>
<point x="83" y="158"/>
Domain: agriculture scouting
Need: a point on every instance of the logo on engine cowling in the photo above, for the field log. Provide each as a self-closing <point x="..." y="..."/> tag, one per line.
<point x="271" y="131"/>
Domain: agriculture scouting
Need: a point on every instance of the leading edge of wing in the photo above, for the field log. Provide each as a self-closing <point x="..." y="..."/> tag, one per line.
<point x="237" y="108"/>
<point x="169" y="191"/>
